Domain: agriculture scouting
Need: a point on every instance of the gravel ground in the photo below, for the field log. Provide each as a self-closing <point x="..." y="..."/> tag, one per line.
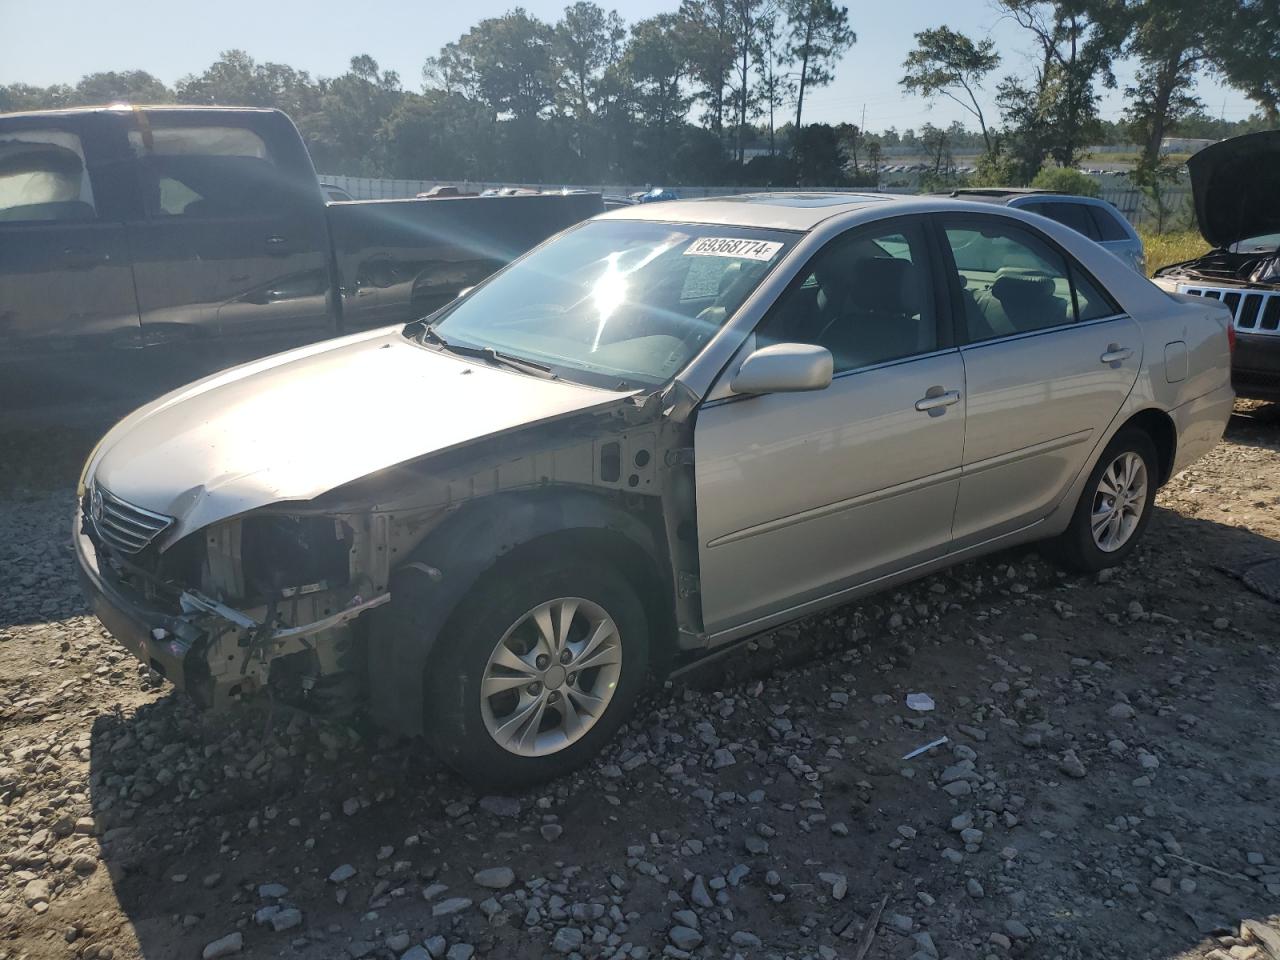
<point x="1107" y="788"/>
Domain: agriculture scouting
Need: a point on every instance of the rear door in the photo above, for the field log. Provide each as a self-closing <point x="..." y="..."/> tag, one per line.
<point x="1049" y="358"/>
<point x="231" y="254"/>
<point x="68" y="315"/>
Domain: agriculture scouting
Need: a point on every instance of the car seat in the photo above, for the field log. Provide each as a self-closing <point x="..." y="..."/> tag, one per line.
<point x="882" y="317"/>
<point x="1020" y="299"/>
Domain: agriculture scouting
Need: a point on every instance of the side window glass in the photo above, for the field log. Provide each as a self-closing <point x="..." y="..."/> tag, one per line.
<point x="1074" y="215"/>
<point x="43" y="177"/>
<point x="1109" y="228"/>
<point x="1091" y="302"/>
<point x="867" y="297"/>
<point x="1012" y="281"/>
<point x="207" y="172"/>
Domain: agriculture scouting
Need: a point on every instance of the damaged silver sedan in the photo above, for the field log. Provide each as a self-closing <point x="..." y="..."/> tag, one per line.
<point x="667" y="429"/>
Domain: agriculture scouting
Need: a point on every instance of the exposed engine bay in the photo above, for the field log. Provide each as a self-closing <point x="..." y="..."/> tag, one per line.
<point x="1226" y="266"/>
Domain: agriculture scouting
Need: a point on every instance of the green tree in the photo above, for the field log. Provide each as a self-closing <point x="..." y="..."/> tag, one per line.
<point x="819" y="33"/>
<point x="1246" y="53"/>
<point x="747" y="18"/>
<point x="819" y="156"/>
<point x="25" y="96"/>
<point x="236" y="79"/>
<point x="776" y="88"/>
<point x="587" y="40"/>
<point x="129" y="86"/>
<point x="439" y="136"/>
<point x="1078" y="41"/>
<point x="709" y="31"/>
<point x="1066" y="180"/>
<point x="1171" y="41"/>
<point x="947" y="63"/>
<point x="343" y="132"/>
<point x="656" y="65"/>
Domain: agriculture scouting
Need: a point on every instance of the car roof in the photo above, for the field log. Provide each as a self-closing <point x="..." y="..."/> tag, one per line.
<point x="794" y="210"/>
<point x="126" y="107"/>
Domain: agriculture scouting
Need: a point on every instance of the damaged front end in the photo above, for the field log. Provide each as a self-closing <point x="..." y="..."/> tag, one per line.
<point x="263" y="602"/>
<point x="274" y="599"/>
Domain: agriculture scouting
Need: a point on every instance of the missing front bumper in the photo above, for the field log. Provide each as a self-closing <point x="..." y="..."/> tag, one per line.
<point x="211" y="650"/>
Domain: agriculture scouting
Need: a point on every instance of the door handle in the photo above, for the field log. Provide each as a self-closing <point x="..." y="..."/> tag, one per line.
<point x="936" y="399"/>
<point x="276" y="241"/>
<point x="1116" y="353"/>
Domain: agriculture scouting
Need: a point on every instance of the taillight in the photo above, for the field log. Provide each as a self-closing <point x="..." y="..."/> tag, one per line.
<point x="1231" y="337"/>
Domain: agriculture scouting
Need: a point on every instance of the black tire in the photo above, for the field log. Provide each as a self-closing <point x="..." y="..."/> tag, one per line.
<point x="453" y="717"/>
<point x="1075" y="548"/>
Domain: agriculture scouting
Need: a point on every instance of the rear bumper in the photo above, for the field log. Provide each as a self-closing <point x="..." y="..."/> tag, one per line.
<point x="1255" y="367"/>
<point x="156" y="638"/>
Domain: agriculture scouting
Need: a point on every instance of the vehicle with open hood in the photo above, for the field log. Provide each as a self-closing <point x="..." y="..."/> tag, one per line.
<point x="1236" y="189"/>
<point x="668" y="429"/>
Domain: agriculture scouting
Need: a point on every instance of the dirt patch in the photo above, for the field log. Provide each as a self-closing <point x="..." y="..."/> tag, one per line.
<point x="1107" y="787"/>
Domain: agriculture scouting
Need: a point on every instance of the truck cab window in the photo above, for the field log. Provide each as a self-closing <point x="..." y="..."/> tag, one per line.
<point x="206" y="172"/>
<point x="43" y="177"/>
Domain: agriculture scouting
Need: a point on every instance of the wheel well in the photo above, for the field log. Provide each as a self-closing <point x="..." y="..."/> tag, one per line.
<point x="1159" y="427"/>
<point x="633" y="561"/>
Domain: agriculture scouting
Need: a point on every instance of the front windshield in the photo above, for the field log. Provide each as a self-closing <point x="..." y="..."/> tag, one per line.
<point x="617" y="303"/>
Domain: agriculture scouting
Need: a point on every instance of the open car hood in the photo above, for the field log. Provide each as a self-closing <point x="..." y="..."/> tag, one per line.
<point x="1236" y="186"/>
<point x="296" y="425"/>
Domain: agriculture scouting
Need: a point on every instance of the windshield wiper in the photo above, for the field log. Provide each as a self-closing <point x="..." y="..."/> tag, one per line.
<point x="489" y="355"/>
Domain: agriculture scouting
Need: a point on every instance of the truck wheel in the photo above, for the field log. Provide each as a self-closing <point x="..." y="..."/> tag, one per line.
<point x="535" y="671"/>
<point x="1114" y="508"/>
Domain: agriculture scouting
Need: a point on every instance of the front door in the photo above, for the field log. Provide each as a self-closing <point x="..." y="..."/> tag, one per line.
<point x="803" y="495"/>
<point x="68" y="315"/>
<point x="231" y="257"/>
<point x="1049" y="359"/>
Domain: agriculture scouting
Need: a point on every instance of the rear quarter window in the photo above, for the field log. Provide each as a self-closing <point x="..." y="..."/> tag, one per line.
<point x="43" y="177"/>
<point x="1073" y="215"/>
<point x="1108" y="223"/>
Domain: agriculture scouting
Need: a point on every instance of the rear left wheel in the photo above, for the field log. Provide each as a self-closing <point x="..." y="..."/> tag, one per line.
<point x="1114" y="508"/>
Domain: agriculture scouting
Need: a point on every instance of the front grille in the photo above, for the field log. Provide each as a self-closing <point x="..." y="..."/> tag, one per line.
<point x="122" y="525"/>
<point x="1255" y="311"/>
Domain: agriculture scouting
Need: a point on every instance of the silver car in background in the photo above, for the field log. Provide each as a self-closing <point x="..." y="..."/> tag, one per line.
<point x="1097" y="219"/>
<point x="666" y="429"/>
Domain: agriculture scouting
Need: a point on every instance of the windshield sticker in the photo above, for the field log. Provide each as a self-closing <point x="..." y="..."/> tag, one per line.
<point x="731" y="247"/>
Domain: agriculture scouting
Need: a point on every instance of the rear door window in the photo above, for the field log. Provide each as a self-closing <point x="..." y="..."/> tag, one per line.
<point x="43" y="176"/>
<point x="1013" y="281"/>
<point x="207" y="172"/>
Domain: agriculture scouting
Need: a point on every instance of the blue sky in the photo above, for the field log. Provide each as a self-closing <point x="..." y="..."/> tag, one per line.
<point x="174" y="38"/>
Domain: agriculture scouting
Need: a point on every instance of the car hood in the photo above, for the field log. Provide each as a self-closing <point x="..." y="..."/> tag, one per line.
<point x="1236" y="187"/>
<point x="299" y="424"/>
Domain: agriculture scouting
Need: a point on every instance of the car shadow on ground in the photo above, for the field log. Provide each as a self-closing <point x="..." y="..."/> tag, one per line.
<point x="195" y="811"/>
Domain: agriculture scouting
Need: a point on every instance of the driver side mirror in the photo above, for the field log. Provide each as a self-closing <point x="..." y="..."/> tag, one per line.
<point x="784" y="368"/>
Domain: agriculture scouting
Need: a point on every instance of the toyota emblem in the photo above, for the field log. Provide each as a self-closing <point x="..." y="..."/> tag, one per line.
<point x="95" y="505"/>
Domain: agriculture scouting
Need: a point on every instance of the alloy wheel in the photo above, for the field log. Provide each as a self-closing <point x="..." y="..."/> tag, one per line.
<point x="1119" y="501"/>
<point x="551" y="677"/>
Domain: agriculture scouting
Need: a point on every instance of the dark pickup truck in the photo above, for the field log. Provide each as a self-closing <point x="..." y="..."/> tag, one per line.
<point x="141" y="247"/>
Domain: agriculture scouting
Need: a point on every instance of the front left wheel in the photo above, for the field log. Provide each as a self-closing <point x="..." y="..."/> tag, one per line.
<point x="535" y="670"/>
